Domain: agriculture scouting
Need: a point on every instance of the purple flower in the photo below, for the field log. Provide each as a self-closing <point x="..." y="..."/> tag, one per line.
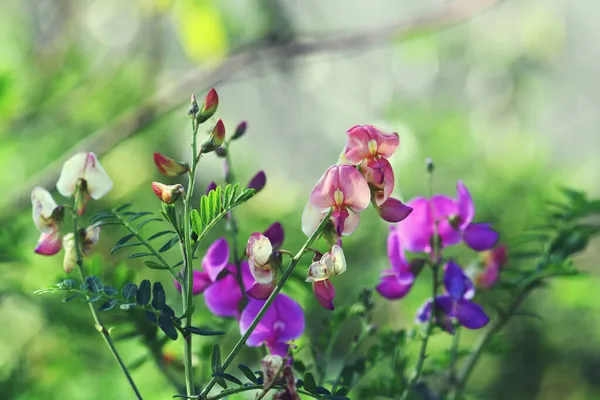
<point x="455" y="306"/>
<point x="258" y="181"/>
<point x="283" y="321"/>
<point x="275" y="235"/>
<point x="396" y="282"/>
<point x="452" y="219"/>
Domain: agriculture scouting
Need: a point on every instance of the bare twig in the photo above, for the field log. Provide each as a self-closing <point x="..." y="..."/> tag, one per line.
<point x="175" y="95"/>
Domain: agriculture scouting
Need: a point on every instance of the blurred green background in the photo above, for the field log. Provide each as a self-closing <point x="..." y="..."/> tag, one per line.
<point x="505" y="101"/>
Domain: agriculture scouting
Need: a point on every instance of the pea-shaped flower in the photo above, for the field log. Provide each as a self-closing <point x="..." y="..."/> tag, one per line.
<point x="331" y="264"/>
<point x="46" y="217"/>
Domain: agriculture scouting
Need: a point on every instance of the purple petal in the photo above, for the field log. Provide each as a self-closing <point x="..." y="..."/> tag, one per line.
<point x="393" y="210"/>
<point x="416" y="230"/>
<point x="392" y="288"/>
<point x="466" y="208"/>
<point x="223" y="297"/>
<point x="261" y="291"/>
<point x="454" y="280"/>
<point x="201" y="282"/>
<point x="445" y="207"/>
<point x="324" y="293"/>
<point x="471" y="315"/>
<point x="444" y="312"/>
<point x="264" y="330"/>
<point x="258" y="181"/>
<point x="275" y="235"/>
<point x="480" y="236"/>
<point x="395" y="252"/>
<point x="216" y="258"/>
<point x="278" y="348"/>
<point x="290" y="322"/>
<point x="246" y="274"/>
<point x="423" y="313"/>
<point x="211" y="186"/>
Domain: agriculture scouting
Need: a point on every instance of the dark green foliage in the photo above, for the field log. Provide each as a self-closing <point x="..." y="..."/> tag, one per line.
<point x="143" y="293"/>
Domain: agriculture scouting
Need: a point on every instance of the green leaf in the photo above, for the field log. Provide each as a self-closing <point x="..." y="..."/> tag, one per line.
<point x="341" y="391"/>
<point x="128" y="306"/>
<point x="143" y="223"/>
<point x="129" y="291"/>
<point x="154" y="265"/>
<point x="309" y="382"/>
<point x="122" y="246"/>
<point x="69" y="283"/>
<point x="94" y="299"/>
<point x="111" y="291"/>
<point x="204" y="210"/>
<point x="123" y="207"/>
<point x="139" y="255"/>
<point x="70" y="298"/>
<point x="159" y="298"/>
<point x="166" y="325"/>
<point x="216" y="359"/>
<point x="172" y="242"/>
<point x="124" y="239"/>
<point x="159" y="234"/>
<point x="196" y="221"/>
<point x="229" y="377"/>
<point x="139" y="215"/>
<point x="143" y="293"/>
<point x="248" y="373"/>
<point x="202" y="332"/>
<point x="108" y="305"/>
<point x="94" y="284"/>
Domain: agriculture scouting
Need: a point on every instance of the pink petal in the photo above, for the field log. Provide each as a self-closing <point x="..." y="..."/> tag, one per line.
<point x="261" y="291"/>
<point x="216" y="258"/>
<point x="466" y="208"/>
<point x="357" y="147"/>
<point x="393" y="210"/>
<point x="396" y="253"/>
<point x="354" y="187"/>
<point x="350" y="223"/>
<point x="49" y="244"/>
<point x="379" y="174"/>
<point x="392" y="288"/>
<point x="325" y="293"/>
<point x="387" y="143"/>
<point x="322" y="195"/>
<point x="443" y="208"/>
<point x="278" y="348"/>
<point x="71" y="171"/>
<point x="98" y="182"/>
<point x="416" y="230"/>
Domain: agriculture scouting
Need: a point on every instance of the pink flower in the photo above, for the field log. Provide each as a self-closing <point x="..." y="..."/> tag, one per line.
<point x="331" y="264"/>
<point x="345" y="190"/>
<point x="83" y="175"/>
<point x="46" y="217"/>
<point x="493" y="261"/>
<point x="369" y="148"/>
<point x="451" y="219"/>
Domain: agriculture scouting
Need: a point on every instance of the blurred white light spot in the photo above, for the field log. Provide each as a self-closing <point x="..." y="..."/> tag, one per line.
<point x="113" y="23"/>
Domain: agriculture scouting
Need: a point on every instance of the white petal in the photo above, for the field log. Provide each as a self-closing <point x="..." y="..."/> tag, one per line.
<point x="339" y="260"/>
<point x="311" y="218"/>
<point x="262" y="250"/>
<point x="43" y="207"/>
<point x="72" y="170"/>
<point x="317" y="271"/>
<point x="98" y="181"/>
<point x="260" y="275"/>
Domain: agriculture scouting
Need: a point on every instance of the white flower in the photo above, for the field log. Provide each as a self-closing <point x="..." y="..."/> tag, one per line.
<point x="43" y="209"/>
<point x="84" y="166"/>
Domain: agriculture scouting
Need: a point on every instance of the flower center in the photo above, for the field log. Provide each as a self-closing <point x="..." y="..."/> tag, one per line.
<point x="338" y="197"/>
<point x="373" y="147"/>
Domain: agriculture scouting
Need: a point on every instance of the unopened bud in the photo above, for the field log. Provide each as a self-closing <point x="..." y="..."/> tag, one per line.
<point x="258" y="181"/>
<point x="170" y="167"/>
<point x="193" y="110"/>
<point x="221" y="152"/>
<point x="240" y="130"/>
<point x="357" y="309"/>
<point x="215" y="139"/>
<point x="209" y="107"/>
<point x="211" y="186"/>
<point x="429" y="166"/>
<point x="167" y="193"/>
<point x="70" y="259"/>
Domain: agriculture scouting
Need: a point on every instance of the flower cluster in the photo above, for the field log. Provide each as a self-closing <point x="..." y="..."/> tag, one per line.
<point x="363" y="175"/>
<point x="82" y="177"/>
<point x="434" y="224"/>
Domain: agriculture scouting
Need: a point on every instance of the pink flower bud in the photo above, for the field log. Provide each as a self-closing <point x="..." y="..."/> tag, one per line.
<point x="167" y="193"/>
<point x="170" y="167"/>
<point x="209" y="107"/>
<point x="258" y="181"/>
<point x="240" y="130"/>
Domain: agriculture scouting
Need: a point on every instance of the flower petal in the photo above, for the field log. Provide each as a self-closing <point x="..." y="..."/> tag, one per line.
<point x="43" y="206"/>
<point x="471" y="315"/>
<point x="455" y="280"/>
<point x="210" y="187"/>
<point x="259" y="248"/>
<point x="480" y="236"/>
<point x="357" y="147"/>
<point x="325" y="293"/>
<point x="387" y="143"/>
<point x="71" y="171"/>
<point x="339" y="260"/>
<point x="289" y="324"/>
<point x="278" y="348"/>
<point x="264" y="330"/>
<point x="416" y="230"/>
<point x="258" y="181"/>
<point x="395" y="252"/>
<point x="223" y="297"/>
<point x="393" y="210"/>
<point x="311" y="218"/>
<point x="350" y="223"/>
<point x="443" y="208"/>
<point x="261" y="275"/>
<point x="201" y="281"/>
<point x="466" y="208"/>
<point x="322" y="195"/>
<point x="275" y="234"/>
<point x="216" y="258"/>
<point x="49" y="243"/>
<point x="423" y="313"/>
<point x="261" y="291"/>
<point x="354" y="188"/>
<point x="98" y="182"/>
<point x="379" y="174"/>
<point x="392" y="288"/>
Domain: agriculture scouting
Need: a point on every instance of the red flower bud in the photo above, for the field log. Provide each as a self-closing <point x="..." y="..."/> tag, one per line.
<point x="215" y="139"/>
<point x="170" y="167"/>
<point x="209" y="107"/>
<point x="167" y="193"/>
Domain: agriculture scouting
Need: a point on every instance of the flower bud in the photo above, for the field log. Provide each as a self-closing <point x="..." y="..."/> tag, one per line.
<point x="167" y="193"/>
<point x="70" y="259"/>
<point x="193" y="110"/>
<point x="429" y="166"/>
<point x="209" y="107"/>
<point x="258" y="181"/>
<point x="240" y="130"/>
<point x="215" y="139"/>
<point x="211" y="186"/>
<point x="170" y="167"/>
<point x="221" y="152"/>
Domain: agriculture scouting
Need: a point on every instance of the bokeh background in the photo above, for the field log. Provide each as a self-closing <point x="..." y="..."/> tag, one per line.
<point x="506" y="100"/>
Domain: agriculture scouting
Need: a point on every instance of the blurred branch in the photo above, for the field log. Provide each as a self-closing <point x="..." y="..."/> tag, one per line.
<point x="174" y="96"/>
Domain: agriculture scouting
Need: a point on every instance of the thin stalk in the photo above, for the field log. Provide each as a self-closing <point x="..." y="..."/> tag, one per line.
<point x="97" y="322"/>
<point x="454" y="354"/>
<point x="242" y="389"/>
<point x="353" y="347"/>
<point x="288" y="272"/>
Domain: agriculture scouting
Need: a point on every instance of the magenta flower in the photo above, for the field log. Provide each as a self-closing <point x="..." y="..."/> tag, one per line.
<point x="451" y="219"/>
<point x="397" y="281"/>
<point x="455" y="306"/>
<point x="345" y="190"/>
<point x="369" y="148"/>
<point x="493" y="261"/>
<point x="283" y="322"/>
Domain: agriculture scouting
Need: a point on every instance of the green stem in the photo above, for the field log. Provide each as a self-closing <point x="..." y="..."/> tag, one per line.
<point x="353" y="347"/>
<point x="242" y="389"/>
<point x="97" y="322"/>
<point x="288" y="272"/>
<point x="454" y="355"/>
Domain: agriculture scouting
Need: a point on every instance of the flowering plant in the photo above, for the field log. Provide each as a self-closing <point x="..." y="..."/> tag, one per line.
<point x="249" y="287"/>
